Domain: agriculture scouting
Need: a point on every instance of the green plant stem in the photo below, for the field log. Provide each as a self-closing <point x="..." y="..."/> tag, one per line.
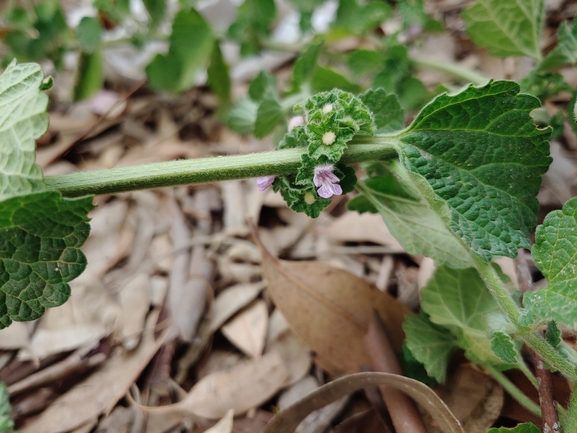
<point x="569" y="418"/>
<point x="452" y="69"/>
<point x="515" y="392"/>
<point x="549" y="354"/>
<point x="528" y="374"/>
<point x="202" y="170"/>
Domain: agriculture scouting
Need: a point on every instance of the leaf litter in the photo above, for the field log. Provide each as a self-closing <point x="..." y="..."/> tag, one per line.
<point x="174" y="291"/>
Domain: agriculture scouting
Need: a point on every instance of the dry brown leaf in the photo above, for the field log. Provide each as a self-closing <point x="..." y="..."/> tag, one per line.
<point x="224" y="425"/>
<point x="244" y="386"/>
<point x="287" y="420"/>
<point x="295" y="354"/>
<point x="100" y="392"/>
<point x="135" y="302"/>
<point x="16" y="336"/>
<point x="367" y="227"/>
<point x="331" y="308"/>
<point x="231" y="300"/>
<point x="297" y="391"/>
<point x="362" y="422"/>
<point x="247" y="330"/>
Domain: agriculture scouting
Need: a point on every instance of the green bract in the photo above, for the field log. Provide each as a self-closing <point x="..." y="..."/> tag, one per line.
<point x="40" y="231"/>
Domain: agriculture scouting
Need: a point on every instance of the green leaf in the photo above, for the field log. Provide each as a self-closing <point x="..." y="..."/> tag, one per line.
<point x="242" y="116"/>
<point x="564" y="53"/>
<point x="156" y="10"/>
<point x="23" y="118"/>
<point x="388" y="114"/>
<point x="6" y="422"/>
<point x="325" y="79"/>
<point x="506" y="28"/>
<point x="364" y="62"/>
<point x="89" y="76"/>
<point x="544" y="85"/>
<point x="263" y="85"/>
<point x="89" y="33"/>
<point x="482" y="159"/>
<point x="459" y="300"/>
<point x="268" y="116"/>
<point x="504" y="347"/>
<point x="431" y="345"/>
<point x="555" y="254"/>
<point x="218" y="76"/>
<point x="40" y="232"/>
<point x="553" y="334"/>
<point x="359" y="19"/>
<point x="191" y="45"/>
<point x="40" y="239"/>
<point x="520" y="428"/>
<point x="417" y="228"/>
<point x="305" y="66"/>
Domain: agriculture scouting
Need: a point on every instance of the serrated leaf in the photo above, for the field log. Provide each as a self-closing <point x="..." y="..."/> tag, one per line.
<point x="483" y="157"/>
<point x="268" y="116"/>
<point x="40" y="232"/>
<point x="89" y="76"/>
<point x="23" y="118"/>
<point x="325" y="79"/>
<point x="40" y="239"/>
<point x="218" y="76"/>
<point x="565" y="52"/>
<point x="555" y="254"/>
<point x="417" y="228"/>
<point x="459" y="300"/>
<point x="504" y="347"/>
<point x="527" y="427"/>
<point x="89" y="33"/>
<point x="359" y="19"/>
<point x="506" y="28"/>
<point x="387" y="111"/>
<point x="431" y="345"/>
<point x="176" y="70"/>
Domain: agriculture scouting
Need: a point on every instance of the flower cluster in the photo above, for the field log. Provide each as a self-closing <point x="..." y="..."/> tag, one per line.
<point x="324" y="125"/>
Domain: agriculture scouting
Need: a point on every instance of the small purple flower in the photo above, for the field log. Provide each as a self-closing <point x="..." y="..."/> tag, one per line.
<point x="327" y="181"/>
<point x="264" y="182"/>
<point x="296" y="121"/>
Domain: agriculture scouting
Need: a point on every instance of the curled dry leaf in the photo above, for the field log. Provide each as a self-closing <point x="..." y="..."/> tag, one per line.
<point x="247" y="330"/>
<point x="330" y="308"/>
<point x="231" y="300"/>
<point x="296" y="356"/>
<point x="287" y="420"/>
<point x="244" y="386"/>
<point x="224" y="425"/>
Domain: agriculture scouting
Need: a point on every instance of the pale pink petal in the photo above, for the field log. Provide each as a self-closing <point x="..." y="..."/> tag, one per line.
<point x="296" y="121"/>
<point x="264" y="182"/>
<point x="330" y="189"/>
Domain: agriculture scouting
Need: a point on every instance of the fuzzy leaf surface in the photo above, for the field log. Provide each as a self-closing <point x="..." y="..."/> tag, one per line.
<point x="457" y="299"/>
<point x="526" y="427"/>
<point x="566" y="50"/>
<point x="23" y="118"/>
<point x="417" y="228"/>
<point x="482" y="158"/>
<point x="431" y="345"/>
<point x="389" y="115"/>
<point x="555" y="254"/>
<point x="506" y="28"/>
<point x="40" y="231"/>
<point x="504" y="347"/>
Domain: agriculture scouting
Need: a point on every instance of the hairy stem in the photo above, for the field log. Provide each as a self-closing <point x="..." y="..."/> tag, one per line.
<point x="549" y="354"/>
<point x="202" y="170"/>
<point x="570" y="418"/>
<point x="515" y="392"/>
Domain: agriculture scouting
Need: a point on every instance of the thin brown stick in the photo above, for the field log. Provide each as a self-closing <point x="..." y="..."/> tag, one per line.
<point x="546" y="396"/>
<point x="404" y="414"/>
